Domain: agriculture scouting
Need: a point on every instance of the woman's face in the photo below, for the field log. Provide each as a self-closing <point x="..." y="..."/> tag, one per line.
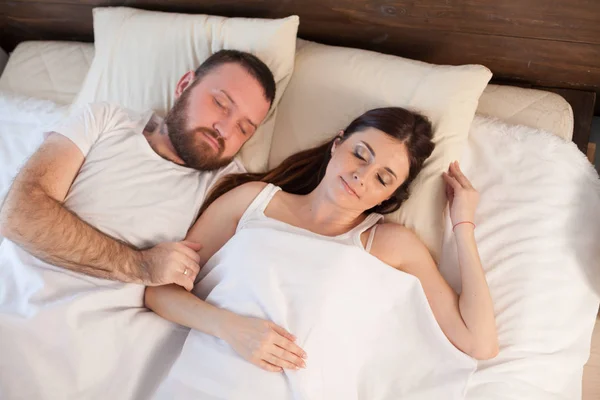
<point x="366" y="169"/>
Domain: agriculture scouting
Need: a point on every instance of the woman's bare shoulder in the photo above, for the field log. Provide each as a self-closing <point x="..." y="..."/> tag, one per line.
<point x="225" y="212"/>
<point x="237" y="200"/>
<point x="398" y="245"/>
<point x="390" y="234"/>
<point x="249" y="190"/>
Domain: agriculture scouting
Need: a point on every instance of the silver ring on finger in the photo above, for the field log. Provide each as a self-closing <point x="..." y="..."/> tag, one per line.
<point x="186" y="271"/>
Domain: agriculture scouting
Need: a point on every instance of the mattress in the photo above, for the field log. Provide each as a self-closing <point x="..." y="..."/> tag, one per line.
<point x="529" y="107"/>
<point x="47" y="70"/>
<point x="55" y="71"/>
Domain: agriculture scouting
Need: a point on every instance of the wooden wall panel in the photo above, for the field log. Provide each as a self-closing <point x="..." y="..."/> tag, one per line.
<point x="44" y="20"/>
<point x="564" y="20"/>
<point x="549" y="43"/>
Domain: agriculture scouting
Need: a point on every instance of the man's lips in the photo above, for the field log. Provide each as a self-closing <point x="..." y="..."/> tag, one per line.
<point x="348" y="188"/>
<point x="212" y="141"/>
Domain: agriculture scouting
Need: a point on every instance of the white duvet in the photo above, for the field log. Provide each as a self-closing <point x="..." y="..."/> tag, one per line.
<point x="367" y="328"/>
<point x="82" y="316"/>
<point x="538" y="234"/>
<point x="22" y="120"/>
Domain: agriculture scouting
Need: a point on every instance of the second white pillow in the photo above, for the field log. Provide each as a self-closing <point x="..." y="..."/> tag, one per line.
<point x="333" y="85"/>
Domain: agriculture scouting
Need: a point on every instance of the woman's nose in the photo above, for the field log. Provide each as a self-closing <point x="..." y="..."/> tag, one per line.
<point x="357" y="178"/>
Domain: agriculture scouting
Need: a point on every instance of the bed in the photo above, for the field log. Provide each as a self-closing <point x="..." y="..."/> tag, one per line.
<point x="55" y="71"/>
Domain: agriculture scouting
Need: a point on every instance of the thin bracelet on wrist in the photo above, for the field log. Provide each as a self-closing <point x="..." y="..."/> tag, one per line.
<point x="463" y="222"/>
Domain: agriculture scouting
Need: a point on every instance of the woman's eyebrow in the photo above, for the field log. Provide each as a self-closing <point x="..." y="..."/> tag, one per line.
<point x="368" y="147"/>
<point x="388" y="169"/>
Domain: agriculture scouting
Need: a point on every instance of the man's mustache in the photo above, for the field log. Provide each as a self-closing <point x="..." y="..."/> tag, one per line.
<point x="212" y="133"/>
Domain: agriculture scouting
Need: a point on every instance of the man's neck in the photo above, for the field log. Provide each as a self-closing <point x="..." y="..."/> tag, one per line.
<point x="156" y="133"/>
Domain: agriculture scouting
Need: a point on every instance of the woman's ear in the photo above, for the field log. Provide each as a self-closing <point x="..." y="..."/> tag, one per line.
<point x="337" y="141"/>
<point x="184" y="82"/>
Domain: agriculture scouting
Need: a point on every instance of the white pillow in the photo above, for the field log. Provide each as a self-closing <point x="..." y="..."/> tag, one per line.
<point x="333" y="85"/>
<point x="538" y="225"/>
<point x="140" y="56"/>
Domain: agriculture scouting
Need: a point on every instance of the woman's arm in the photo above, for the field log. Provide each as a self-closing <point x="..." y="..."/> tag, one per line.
<point x="467" y="320"/>
<point x="212" y="229"/>
<point x="475" y="301"/>
<point x="261" y="342"/>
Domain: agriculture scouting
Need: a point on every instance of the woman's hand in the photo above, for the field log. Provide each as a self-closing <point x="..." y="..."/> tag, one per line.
<point x="462" y="196"/>
<point x="261" y="342"/>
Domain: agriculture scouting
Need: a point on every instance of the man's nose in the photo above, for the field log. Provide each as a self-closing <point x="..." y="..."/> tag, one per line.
<point x="224" y="127"/>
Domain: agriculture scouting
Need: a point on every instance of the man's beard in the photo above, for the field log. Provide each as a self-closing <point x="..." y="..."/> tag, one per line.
<point x="195" y="152"/>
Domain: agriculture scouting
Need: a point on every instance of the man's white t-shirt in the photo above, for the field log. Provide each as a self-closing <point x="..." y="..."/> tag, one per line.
<point x="71" y="336"/>
<point x="124" y="188"/>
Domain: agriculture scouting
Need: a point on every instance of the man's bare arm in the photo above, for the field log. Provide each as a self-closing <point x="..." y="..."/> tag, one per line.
<point x="34" y="217"/>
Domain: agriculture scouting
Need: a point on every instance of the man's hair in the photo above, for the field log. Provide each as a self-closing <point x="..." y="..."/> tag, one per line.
<point x="249" y="62"/>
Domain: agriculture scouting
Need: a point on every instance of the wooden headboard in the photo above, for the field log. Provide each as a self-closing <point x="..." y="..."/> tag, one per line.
<point x="529" y="42"/>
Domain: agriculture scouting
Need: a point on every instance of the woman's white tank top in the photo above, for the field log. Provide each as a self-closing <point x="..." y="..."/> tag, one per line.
<point x="255" y="215"/>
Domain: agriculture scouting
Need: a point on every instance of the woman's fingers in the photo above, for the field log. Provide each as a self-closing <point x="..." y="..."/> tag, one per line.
<point x="284" y="348"/>
<point x="460" y="177"/>
<point x="279" y="362"/>
<point x="287" y="344"/>
<point x="450" y="180"/>
<point x="269" y="367"/>
<point x="448" y="188"/>
<point x="283" y="332"/>
<point x="289" y="356"/>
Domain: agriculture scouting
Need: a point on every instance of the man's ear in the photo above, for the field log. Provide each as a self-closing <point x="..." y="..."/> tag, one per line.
<point x="184" y="82"/>
<point x="337" y="141"/>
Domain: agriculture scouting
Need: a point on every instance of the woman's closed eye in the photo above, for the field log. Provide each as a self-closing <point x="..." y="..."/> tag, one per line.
<point x="357" y="154"/>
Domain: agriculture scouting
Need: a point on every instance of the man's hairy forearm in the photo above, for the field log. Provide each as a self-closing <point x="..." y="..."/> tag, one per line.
<point x="48" y="230"/>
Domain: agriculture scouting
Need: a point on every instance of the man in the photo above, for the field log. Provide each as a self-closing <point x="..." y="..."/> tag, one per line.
<point x="93" y="179"/>
<point x="109" y="196"/>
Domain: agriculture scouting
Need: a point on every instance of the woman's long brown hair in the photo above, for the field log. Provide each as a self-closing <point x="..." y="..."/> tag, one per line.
<point x="302" y="172"/>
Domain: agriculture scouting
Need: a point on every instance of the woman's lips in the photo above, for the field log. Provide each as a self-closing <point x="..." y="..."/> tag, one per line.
<point x="348" y="188"/>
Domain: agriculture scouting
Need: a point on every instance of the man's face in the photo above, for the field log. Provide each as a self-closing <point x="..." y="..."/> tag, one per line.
<point x="215" y="116"/>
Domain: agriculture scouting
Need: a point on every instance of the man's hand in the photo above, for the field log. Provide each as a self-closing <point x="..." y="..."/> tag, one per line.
<point x="167" y="263"/>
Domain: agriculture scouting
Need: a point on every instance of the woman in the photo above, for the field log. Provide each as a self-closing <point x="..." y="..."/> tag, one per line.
<point x="336" y="193"/>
